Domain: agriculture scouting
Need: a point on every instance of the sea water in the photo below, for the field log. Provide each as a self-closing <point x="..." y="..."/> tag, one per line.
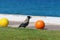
<point x="31" y="7"/>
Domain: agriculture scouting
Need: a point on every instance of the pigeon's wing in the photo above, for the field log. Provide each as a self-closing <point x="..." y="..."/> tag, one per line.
<point x="22" y="24"/>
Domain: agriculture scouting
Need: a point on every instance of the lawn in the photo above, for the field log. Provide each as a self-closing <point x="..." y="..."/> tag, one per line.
<point x="28" y="34"/>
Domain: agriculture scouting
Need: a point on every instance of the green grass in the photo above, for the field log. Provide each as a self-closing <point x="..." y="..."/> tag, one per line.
<point x="28" y="34"/>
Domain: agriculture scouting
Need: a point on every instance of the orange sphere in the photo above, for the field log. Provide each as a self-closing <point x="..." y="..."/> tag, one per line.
<point x="39" y="24"/>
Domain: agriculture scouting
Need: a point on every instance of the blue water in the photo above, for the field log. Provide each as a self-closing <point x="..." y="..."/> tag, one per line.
<point x="31" y="7"/>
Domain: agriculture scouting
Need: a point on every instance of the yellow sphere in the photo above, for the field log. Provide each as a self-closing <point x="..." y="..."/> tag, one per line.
<point x="4" y="22"/>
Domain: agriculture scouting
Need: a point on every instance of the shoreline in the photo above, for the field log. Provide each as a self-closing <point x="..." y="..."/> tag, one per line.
<point x="52" y="23"/>
<point x="48" y="20"/>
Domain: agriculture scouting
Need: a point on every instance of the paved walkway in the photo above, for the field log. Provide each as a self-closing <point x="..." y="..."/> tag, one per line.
<point x="31" y="25"/>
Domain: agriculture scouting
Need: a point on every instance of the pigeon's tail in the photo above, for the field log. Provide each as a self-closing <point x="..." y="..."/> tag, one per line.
<point x="19" y="26"/>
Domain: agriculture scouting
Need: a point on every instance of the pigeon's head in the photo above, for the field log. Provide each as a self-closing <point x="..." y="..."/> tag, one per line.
<point x="29" y="17"/>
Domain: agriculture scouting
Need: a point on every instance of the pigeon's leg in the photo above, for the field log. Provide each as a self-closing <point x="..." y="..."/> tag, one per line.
<point x="24" y="27"/>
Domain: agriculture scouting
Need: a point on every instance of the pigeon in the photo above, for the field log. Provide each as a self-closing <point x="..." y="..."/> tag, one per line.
<point x="25" y="23"/>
